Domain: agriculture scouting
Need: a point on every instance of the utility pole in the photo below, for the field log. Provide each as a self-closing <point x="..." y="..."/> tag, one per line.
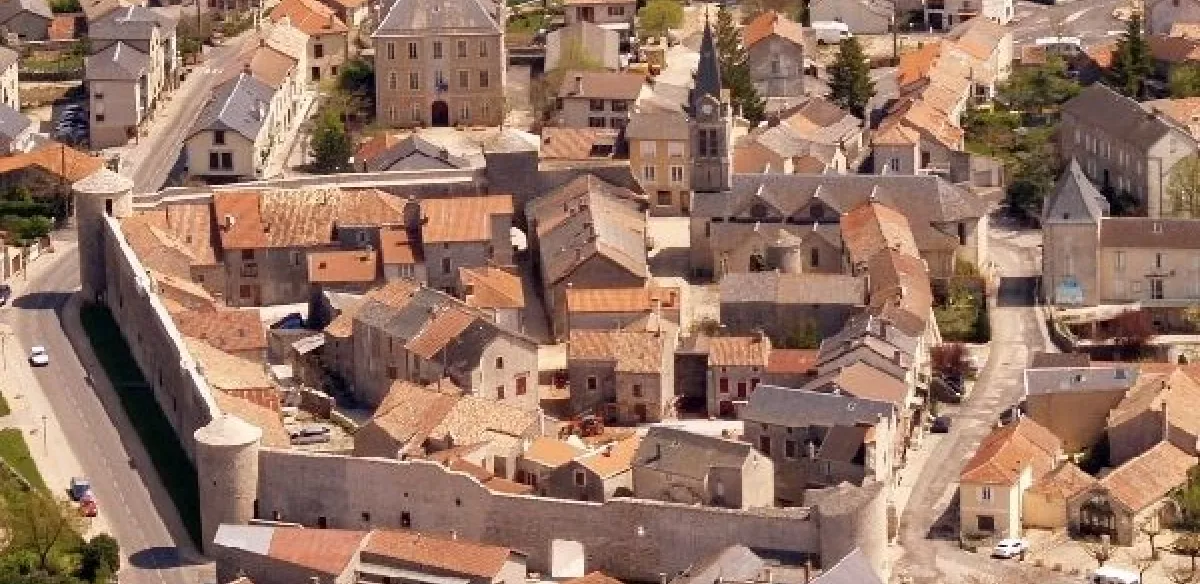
<point x="45" y="441"/>
<point x="5" y="333"/>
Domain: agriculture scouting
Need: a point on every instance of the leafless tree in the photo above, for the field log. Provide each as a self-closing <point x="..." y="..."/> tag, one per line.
<point x="1100" y="551"/>
<point x="1142" y="564"/>
<point x="1181" y="574"/>
<point x="1151" y="529"/>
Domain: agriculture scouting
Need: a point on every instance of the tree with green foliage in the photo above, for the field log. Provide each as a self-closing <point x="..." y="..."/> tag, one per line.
<point x="1132" y="61"/>
<point x="659" y="16"/>
<point x="1040" y="88"/>
<point x="1184" y="80"/>
<point x="806" y="336"/>
<point x="38" y="523"/>
<point x="26" y="230"/>
<point x="331" y="146"/>
<point x="65" y="6"/>
<point x="735" y="68"/>
<point x="1183" y="188"/>
<point x="99" y="558"/>
<point x="572" y="58"/>
<point x="356" y="83"/>
<point x="850" y="85"/>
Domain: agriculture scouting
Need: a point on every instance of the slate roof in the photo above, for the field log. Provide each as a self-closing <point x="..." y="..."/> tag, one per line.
<point x="1149" y="476"/>
<point x="588" y="218"/>
<point x="868" y="325"/>
<point x="238" y="105"/>
<point x="1052" y="380"/>
<point x="1116" y="115"/>
<point x="392" y="151"/>
<point x="119" y="62"/>
<point x="1147" y="233"/>
<point x="736" y="563"/>
<point x="12" y="122"/>
<point x="927" y="199"/>
<point x="785" y="141"/>
<point x="11" y="8"/>
<point x="1075" y="199"/>
<point x="781" y="406"/>
<point x="788" y="288"/>
<point x="854" y="568"/>
<point x="707" y="79"/>
<point x="820" y="120"/>
<point x="129" y="23"/>
<point x="687" y="454"/>
<point x="1007" y="451"/>
<point x="657" y="124"/>
<point x="430" y="17"/>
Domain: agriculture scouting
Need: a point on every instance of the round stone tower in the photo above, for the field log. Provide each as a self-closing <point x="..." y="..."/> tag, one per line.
<point x="100" y="194"/>
<point x="227" y="470"/>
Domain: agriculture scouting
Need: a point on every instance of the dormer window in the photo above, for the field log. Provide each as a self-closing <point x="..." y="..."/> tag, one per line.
<point x="758" y="211"/>
<point x="816" y="210"/>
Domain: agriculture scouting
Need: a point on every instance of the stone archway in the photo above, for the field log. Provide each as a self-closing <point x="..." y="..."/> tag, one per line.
<point x="439" y="114"/>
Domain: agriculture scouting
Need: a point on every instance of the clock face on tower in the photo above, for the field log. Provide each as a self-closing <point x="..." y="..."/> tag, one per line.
<point x="706" y="109"/>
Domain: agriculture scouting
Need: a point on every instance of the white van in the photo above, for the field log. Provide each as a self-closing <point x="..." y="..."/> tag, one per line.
<point x="1111" y="575"/>
<point x="831" y="32"/>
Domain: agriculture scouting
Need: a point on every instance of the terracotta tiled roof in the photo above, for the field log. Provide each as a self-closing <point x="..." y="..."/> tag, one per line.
<point x="613" y="459"/>
<point x="1007" y="451"/>
<point x="631" y="351"/>
<point x="228" y="330"/>
<point x="919" y="115"/>
<point x="978" y="37"/>
<point x="1064" y="482"/>
<point x="453" y="557"/>
<point x="594" y="578"/>
<point x="310" y="16"/>
<point x="639" y="299"/>
<point x="1149" y="476"/>
<point x="900" y="290"/>
<point x="327" y="551"/>
<point x="53" y="158"/>
<point x="551" y="452"/>
<point x="601" y="85"/>
<point x="462" y="218"/>
<point x="738" y="351"/>
<point x="489" y="480"/>
<point x="342" y="266"/>
<point x="896" y="134"/>
<point x="226" y="371"/>
<point x="62" y="28"/>
<point x="298" y="218"/>
<point x="915" y="65"/>
<point x="871" y="227"/>
<point x="492" y="288"/>
<point x="271" y="66"/>
<point x="409" y="414"/>
<point x="1174" y="50"/>
<point x="444" y="327"/>
<point x="397" y="248"/>
<point x="186" y="293"/>
<point x="1177" y="390"/>
<point x="343" y="325"/>
<point x="378" y="144"/>
<point x="274" y="434"/>
<point x="791" y="360"/>
<point x="574" y="143"/>
<point x="769" y="23"/>
<point x="1184" y="111"/>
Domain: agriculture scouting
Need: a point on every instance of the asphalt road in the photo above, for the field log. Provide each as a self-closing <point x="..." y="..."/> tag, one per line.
<point x="929" y="525"/>
<point x="1090" y="20"/>
<point x="132" y="501"/>
<point x="158" y="154"/>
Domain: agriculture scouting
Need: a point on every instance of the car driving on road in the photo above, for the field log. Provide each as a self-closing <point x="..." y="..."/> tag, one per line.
<point x="1010" y="548"/>
<point x="38" y="357"/>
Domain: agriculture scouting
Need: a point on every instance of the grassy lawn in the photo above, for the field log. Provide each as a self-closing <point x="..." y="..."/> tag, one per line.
<point x="4" y="410"/>
<point x="16" y="453"/>
<point x="143" y="411"/>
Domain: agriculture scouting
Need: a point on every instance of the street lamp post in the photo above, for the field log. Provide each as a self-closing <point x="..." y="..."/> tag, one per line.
<point x="45" y="441"/>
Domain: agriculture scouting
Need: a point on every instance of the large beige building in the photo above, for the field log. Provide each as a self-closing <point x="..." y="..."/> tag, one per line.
<point x="992" y="486"/>
<point x="440" y="64"/>
<point x="328" y="36"/>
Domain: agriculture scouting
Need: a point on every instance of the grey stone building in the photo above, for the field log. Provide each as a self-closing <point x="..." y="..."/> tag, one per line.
<point x="465" y="232"/>
<point x="1070" y="226"/>
<point x="777" y="48"/>
<point x="789" y="306"/>
<point x="28" y="19"/>
<point x="684" y="467"/>
<point x="623" y="375"/>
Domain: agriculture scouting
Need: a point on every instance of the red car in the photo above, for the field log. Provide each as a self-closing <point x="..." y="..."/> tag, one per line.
<point x="87" y="506"/>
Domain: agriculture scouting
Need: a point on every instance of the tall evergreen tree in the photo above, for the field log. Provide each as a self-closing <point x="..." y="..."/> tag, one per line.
<point x="850" y="85"/>
<point x="735" y="68"/>
<point x="331" y="146"/>
<point x="1132" y="62"/>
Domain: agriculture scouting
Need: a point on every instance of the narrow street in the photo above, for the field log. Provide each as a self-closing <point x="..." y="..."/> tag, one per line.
<point x="928" y="526"/>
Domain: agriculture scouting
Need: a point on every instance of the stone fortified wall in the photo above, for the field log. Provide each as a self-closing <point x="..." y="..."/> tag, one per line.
<point x="629" y="539"/>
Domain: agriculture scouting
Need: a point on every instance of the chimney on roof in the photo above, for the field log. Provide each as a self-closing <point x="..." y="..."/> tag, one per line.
<point x="229" y="221"/>
<point x="453" y="534"/>
<point x="896" y="356"/>
<point x="1166" y="420"/>
<point x="578" y="84"/>
<point x="246" y="67"/>
<point x="760" y="336"/>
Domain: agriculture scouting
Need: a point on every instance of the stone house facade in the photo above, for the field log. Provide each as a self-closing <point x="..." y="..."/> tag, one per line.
<point x="597" y="99"/>
<point x="1074" y="402"/>
<point x="597" y="476"/>
<point x="684" y="467"/>
<point x="623" y="375"/>
<point x="993" y="483"/>
<point x="440" y="66"/>
<point x="789" y="307"/>
<point x="659" y="149"/>
<point x="464" y="232"/>
<point x="777" y="48"/>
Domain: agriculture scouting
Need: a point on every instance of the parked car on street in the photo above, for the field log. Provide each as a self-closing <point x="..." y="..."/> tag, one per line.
<point x="38" y="357"/>
<point x="941" y="425"/>
<point x="5" y="294"/>
<point x="1010" y="548"/>
<point x="79" y="488"/>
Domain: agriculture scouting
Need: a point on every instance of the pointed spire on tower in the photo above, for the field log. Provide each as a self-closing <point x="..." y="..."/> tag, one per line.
<point x="708" y="73"/>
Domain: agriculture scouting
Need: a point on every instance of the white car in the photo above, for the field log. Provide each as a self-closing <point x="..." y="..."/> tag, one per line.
<point x="1010" y="548"/>
<point x="38" y="357"/>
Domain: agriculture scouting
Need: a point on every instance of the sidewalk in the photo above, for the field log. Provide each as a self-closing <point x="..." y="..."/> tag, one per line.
<point x="31" y="412"/>
<point x="277" y="164"/>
